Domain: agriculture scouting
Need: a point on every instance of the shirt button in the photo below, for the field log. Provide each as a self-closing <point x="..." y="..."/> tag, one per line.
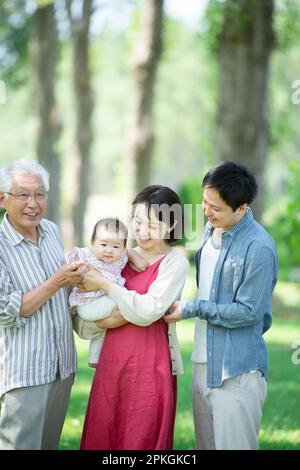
<point x="209" y="354"/>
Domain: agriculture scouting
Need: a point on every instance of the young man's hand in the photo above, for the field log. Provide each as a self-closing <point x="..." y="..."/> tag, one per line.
<point x="174" y="313"/>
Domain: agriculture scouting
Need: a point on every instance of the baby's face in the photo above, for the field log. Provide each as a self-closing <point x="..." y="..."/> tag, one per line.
<point x="108" y="246"/>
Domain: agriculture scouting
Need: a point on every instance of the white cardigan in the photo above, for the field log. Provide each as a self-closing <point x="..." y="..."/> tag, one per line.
<point x="144" y="309"/>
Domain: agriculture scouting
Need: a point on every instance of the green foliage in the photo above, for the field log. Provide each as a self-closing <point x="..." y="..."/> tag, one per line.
<point x="184" y="108"/>
<point x="15" y="30"/>
<point x="213" y="23"/>
<point x="43" y="3"/>
<point x="190" y="193"/>
<point x="221" y="12"/>
<point x="287" y="23"/>
<point x="2" y="212"/>
<point x="284" y="115"/>
<point x="285" y="228"/>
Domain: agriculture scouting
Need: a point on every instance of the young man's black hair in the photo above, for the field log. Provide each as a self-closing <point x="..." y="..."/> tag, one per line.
<point x="233" y="181"/>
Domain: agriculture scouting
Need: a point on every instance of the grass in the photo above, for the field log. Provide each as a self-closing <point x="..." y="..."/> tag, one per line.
<point x="280" y="427"/>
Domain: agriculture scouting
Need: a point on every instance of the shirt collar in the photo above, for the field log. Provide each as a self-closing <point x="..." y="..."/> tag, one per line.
<point x="233" y="231"/>
<point x="13" y="235"/>
<point x="245" y="220"/>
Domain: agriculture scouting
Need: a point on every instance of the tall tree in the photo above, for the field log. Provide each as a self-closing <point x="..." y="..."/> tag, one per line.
<point x="144" y="66"/>
<point x="245" y="43"/>
<point x="79" y="25"/>
<point x="44" y="48"/>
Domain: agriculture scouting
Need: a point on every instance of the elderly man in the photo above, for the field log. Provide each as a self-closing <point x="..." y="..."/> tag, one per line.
<point x="37" y="351"/>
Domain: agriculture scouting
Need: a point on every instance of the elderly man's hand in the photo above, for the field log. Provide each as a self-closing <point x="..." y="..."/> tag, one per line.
<point x="174" y="313"/>
<point x="70" y="274"/>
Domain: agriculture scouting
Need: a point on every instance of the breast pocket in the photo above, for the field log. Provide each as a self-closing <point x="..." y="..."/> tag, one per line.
<point x="232" y="271"/>
<point x="237" y="275"/>
<point x="228" y="270"/>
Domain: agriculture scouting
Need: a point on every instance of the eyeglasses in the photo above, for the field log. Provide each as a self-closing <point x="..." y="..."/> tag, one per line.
<point x="24" y="197"/>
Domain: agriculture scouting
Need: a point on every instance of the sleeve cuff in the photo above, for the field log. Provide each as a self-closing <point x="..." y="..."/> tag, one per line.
<point x="189" y="310"/>
<point x="115" y="293"/>
<point x="13" y="311"/>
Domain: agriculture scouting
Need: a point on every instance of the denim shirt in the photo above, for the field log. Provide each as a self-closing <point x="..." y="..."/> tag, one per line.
<point x="238" y="311"/>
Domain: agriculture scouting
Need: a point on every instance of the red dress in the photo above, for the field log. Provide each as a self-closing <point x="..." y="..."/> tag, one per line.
<point x="132" y="402"/>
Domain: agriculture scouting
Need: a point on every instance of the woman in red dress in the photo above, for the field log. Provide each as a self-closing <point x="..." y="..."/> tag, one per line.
<point x="132" y="402"/>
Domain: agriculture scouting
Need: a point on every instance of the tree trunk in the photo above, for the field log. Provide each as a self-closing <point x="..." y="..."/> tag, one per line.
<point x="144" y="67"/>
<point x="242" y="131"/>
<point x="84" y="108"/>
<point x="44" y="48"/>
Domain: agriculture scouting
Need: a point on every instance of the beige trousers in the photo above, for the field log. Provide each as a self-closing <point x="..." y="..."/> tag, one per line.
<point x="32" y="418"/>
<point x="228" y="417"/>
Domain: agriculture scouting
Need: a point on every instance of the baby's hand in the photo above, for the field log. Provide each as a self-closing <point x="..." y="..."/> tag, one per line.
<point x="137" y="261"/>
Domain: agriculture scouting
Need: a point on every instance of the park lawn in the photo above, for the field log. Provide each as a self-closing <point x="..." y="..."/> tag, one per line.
<point x="281" y="418"/>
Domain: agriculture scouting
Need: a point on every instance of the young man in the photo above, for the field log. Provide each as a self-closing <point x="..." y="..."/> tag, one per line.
<point x="236" y="273"/>
<point x="37" y="350"/>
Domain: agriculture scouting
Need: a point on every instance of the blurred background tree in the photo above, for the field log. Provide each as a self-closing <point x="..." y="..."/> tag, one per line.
<point x="43" y="48"/>
<point x="79" y="15"/>
<point x="243" y="44"/>
<point x="285" y="228"/>
<point x="144" y="65"/>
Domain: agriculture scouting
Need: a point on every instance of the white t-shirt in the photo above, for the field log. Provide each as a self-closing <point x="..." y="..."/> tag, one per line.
<point x="208" y="260"/>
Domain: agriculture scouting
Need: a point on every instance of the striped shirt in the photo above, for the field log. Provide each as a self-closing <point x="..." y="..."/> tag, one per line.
<point x="33" y="349"/>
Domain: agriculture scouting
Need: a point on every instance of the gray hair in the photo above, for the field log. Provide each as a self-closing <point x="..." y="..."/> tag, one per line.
<point x="23" y="167"/>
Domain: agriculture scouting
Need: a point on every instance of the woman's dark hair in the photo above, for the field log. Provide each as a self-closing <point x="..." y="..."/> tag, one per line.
<point x="113" y="225"/>
<point x="234" y="183"/>
<point x="167" y="208"/>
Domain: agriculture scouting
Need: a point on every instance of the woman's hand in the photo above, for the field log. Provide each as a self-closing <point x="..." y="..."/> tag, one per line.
<point x="115" y="320"/>
<point x="93" y="280"/>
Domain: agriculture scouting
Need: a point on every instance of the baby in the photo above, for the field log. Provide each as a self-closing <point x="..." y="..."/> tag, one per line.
<point x="108" y="254"/>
